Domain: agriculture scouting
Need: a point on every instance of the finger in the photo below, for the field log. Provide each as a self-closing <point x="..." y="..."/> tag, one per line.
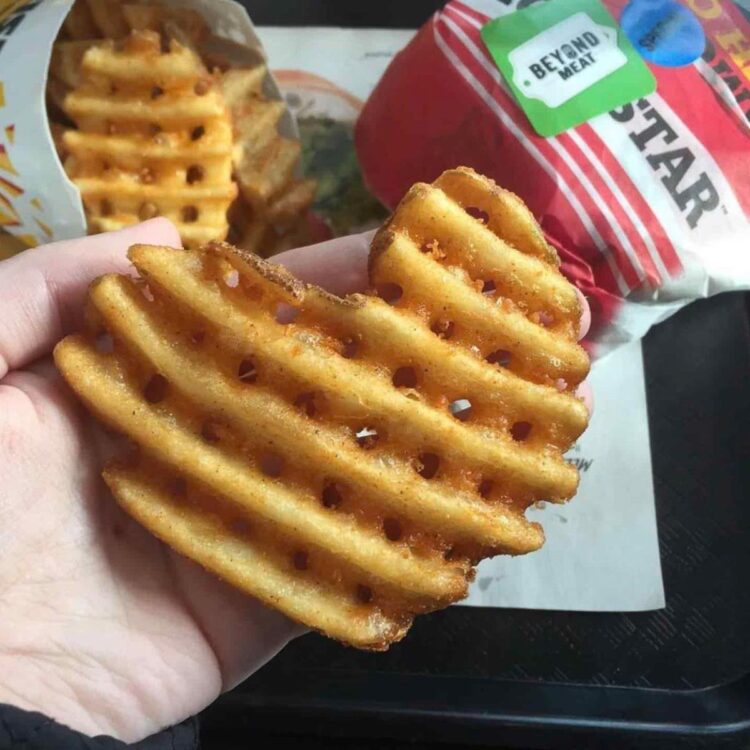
<point x="42" y="290"/>
<point x="586" y="395"/>
<point x="585" y="323"/>
<point x="339" y="266"/>
<point x="243" y="633"/>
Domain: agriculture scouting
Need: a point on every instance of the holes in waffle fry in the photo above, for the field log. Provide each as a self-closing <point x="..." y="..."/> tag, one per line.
<point x="272" y="464"/>
<point x="232" y="278"/>
<point x="543" y="318"/>
<point x="178" y="487"/>
<point x="156" y="92"/>
<point x="286" y="313"/>
<point x="489" y="287"/>
<point x="390" y="292"/>
<point x="210" y="431"/>
<point x="331" y="496"/>
<point x="105" y="207"/>
<point x="432" y="248"/>
<point x="349" y="347"/>
<point x="197" y="133"/>
<point x="405" y="377"/>
<point x="156" y="389"/>
<point x="240" y="526"/>
<point x="367" y="437"/>
<point x="520" y="431"/>
<point x="364" y="593"/>
<point x="477" y="213"/>
<point x="301" y="559"/>
<point x="104" y="343"/>
<point x="485" y="488"/>
<point x="202" y="87"/>
<point x="392" y="529"/>
<point x="443" y="328"/>
<point x="195" y="173"/>
<point x="305" y="402"/>
<point x="499" y="357"/>
<point x="460" y="409"/>
<point x="247" y="372"/>
<point x="428" y="465"/>
<point x="148" y="210"/>
<point x="189" y="214"/>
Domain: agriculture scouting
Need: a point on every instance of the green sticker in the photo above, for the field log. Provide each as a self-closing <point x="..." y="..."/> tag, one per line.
<point x="566" y="61"/>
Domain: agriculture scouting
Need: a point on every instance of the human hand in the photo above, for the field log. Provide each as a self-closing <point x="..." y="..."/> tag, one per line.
<point x="102" y="626"/>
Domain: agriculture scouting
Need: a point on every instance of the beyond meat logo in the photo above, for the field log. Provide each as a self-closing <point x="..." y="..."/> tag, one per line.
<point x="565" y="59"/>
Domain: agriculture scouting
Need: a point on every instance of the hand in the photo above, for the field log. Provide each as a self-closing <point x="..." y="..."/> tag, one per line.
<point x="103" y="627"/>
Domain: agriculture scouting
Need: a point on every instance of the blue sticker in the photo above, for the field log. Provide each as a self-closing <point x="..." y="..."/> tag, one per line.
<point x="663" y="32"/>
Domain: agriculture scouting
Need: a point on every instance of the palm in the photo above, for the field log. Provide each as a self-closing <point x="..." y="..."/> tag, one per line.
<point x="86" y="591"/>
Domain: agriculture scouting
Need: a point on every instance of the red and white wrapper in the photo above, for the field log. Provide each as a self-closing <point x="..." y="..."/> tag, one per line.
<point x="647" y="205"/>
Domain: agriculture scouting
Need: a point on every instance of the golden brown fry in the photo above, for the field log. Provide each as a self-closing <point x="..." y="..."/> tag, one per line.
<point x="265" y="163"/>
<point x="153" y="139"/>
<point x="292" y="203"/>
<point x="347" y="461"/>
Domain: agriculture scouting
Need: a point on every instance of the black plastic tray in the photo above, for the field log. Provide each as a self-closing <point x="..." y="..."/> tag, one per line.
<point x="671" y="678"/>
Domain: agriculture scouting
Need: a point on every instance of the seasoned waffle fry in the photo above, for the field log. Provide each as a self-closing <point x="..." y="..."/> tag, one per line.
<point x="154" y="135"/>
<point x="153" y="138"/>
<point x="309" y="449"/>
<point x="264" y="162"/>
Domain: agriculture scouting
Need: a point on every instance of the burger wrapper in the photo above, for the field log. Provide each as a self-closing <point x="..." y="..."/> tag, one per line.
<point x="38" y="203"/>
<point x="647" y="205"/>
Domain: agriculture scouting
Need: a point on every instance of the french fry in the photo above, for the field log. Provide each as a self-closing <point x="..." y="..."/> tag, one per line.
<point x="153" y="139"/>
<point x="347" y="461"/>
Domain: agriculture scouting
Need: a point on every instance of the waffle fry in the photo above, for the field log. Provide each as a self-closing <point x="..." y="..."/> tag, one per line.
<point x="153" y="138"/>
<point x="265" y="163"/>
<point x="319" y="452"/>
<point x="135" y="102"/>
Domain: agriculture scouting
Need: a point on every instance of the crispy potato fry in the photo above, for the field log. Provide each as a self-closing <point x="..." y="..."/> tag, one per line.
<point x="347" y="461"/>
<point x="265" y="163"/>
<point x="153" y="139"/>
<point x="155" y="135"/>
